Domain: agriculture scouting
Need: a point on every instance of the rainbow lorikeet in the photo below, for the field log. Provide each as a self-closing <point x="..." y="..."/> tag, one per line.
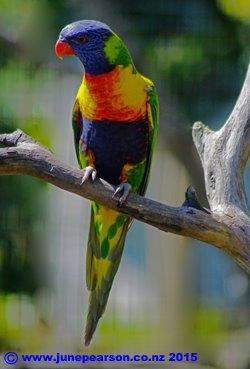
<point x="115" y="123"/>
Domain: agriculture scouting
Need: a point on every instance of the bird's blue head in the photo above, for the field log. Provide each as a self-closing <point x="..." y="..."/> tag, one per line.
<point x="95" y="44"/>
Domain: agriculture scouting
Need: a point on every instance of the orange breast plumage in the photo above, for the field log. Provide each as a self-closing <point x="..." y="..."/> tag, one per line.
<point x="119" y="95"/>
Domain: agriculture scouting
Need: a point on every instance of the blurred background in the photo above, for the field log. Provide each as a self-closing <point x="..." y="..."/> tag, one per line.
<point x="171" y="293"/>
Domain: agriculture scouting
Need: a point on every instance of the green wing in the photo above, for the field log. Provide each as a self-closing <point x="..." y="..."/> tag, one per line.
<point x="153" y="118"/>
<point x="77" y="127"/>
<point x="82" y="156"/>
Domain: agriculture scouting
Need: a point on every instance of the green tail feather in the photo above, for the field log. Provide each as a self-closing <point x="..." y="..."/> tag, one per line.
<point x="99" y="290"/>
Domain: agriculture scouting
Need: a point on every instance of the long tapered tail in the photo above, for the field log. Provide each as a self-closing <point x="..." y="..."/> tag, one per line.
<point x="107" y="235"/>
<point x="97" y="304"/>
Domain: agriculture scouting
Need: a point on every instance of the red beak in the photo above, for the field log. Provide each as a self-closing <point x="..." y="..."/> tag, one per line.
<point x="62" y="48"/>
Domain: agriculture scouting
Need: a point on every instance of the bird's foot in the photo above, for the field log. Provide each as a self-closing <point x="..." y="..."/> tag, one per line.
<point x="89" y="173"/>
<point x="123" y="189"/>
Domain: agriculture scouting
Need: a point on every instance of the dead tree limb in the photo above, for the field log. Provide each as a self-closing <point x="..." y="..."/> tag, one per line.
<point x="223" y="154"/>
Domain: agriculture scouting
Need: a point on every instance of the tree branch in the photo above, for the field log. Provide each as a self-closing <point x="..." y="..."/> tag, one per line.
<point x="223" y="154"/>
<point x="22" y="155"/>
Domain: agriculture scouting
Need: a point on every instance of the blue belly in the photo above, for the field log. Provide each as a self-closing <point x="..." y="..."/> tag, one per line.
<point x="115" y="144"/>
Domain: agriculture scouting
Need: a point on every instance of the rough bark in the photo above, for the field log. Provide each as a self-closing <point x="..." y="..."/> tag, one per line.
<point x="223" y="154"/>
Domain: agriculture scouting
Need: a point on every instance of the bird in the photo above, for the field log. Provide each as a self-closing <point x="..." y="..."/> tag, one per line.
<point x="115" y="125"/>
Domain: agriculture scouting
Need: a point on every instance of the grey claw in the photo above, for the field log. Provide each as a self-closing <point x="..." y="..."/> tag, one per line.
<point x="93" y="175"/>
<point x="89" y="172"/>
<point x="123" y="188"/>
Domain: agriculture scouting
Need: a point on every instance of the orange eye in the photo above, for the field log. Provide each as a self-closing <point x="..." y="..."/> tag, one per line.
<point x="82" y="39"/>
